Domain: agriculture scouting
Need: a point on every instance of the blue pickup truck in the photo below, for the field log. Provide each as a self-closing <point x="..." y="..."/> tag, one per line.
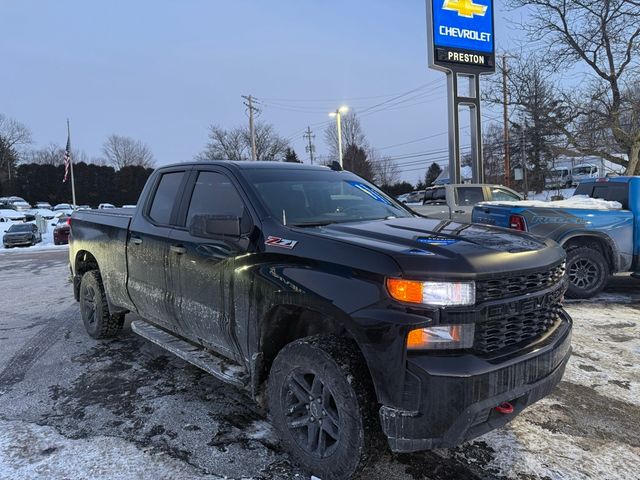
<point x="598" y="242"/>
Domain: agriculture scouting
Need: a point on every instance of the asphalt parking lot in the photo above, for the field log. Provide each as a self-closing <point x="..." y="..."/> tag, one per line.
<point x="76" y="408"/>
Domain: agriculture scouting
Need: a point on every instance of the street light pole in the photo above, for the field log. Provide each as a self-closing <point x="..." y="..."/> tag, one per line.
<point x="338" y="114"/>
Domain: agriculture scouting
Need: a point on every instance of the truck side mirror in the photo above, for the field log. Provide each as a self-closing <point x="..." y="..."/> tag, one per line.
<point x="215" y="226"/>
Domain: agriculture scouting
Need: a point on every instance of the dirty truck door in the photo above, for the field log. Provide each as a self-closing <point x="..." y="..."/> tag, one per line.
<point x="148" y="248"/>
<point x="202" y="264"/>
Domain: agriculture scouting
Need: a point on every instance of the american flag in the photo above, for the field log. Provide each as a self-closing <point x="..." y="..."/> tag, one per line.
<point x="67" y="158"/>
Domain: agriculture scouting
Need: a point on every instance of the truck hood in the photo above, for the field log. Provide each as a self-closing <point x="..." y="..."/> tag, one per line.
<point x="440" y="247"/>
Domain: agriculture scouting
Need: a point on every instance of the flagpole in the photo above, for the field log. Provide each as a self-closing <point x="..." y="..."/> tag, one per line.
<point x="73" y="183"/>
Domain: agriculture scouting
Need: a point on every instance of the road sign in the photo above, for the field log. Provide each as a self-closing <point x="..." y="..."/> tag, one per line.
<point x="461" y="35"/>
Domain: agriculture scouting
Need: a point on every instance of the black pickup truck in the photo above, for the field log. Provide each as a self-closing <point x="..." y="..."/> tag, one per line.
<point x="350" y="317"/>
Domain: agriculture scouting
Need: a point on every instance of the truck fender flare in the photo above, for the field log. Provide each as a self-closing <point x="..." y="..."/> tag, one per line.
<point x="614" y="259"/>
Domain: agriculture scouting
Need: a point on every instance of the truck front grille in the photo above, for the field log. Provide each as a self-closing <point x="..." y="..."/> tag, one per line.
<point x="511" y="286"/>
<point x="512" y="324"/>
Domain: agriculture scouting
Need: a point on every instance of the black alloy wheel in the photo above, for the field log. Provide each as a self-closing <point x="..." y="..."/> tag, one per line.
<point x="312" y="414"/>
<point x="588" y="272"/>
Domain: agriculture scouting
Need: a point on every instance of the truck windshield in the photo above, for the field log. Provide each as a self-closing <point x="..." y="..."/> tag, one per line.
<point x="315" y="198"/>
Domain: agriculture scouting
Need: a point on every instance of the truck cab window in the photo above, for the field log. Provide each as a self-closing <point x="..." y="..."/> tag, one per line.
<point x="439" y="197"/>
<point x="165" y="197"/>
<point x="470" y="195"/>
<point x="214" y="194"/>
<point x="500" y="195"/>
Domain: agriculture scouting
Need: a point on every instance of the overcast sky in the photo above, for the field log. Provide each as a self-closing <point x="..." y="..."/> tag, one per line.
<point x="162" y="71"/>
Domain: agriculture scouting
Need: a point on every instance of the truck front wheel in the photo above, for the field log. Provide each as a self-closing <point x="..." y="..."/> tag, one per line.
<point x="97" y="320"/>
<point x="588" y="272"/>
<point x="322" y="403"/>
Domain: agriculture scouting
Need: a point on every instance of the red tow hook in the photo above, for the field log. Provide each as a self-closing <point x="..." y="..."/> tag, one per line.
<point x="504" y="408"/>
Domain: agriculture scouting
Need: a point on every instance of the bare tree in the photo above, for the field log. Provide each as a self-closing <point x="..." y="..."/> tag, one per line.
<point x="235" y="144"/>
<point x="352" y="134"/>
<point x="224" y="145"/>
<point x="385" y="169"/>
<point x="120" y="152"/>
<point x="604" y="37"/>
<point x="269" y="145"/>
<point x="13" y="136"/>
<point x="52" y="154"/>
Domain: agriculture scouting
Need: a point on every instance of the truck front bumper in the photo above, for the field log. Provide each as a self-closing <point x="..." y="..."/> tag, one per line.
<point x="456" y="396"/>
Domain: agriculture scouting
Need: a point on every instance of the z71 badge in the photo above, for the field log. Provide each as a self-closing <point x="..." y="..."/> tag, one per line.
<point x="280" y="242"/>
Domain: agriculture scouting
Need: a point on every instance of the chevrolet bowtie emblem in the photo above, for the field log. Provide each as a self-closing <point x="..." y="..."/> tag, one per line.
<point x="465" y="8"/>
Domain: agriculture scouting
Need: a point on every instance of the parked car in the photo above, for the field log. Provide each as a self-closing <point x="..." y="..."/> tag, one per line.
<point x="6" y="202"/>
<point x="599" y="242"/>
<point x="83" y="207"/>
<point x="414" y="198"/>
<point x="61" y="231"/>
<point x="352" y="313"/>
<point x="456" y="202"/>
<point x="128" y="206"/>
<point x="64" y="208"/>
<point x="558" y="178"/>
<point x="46" y="205"/>
<point x="23" y="208"/>
<point x="10" y="215"/>
<point x="104" y="206"/>
<point x="21" y="234"/>
<point x="402" y="198"/>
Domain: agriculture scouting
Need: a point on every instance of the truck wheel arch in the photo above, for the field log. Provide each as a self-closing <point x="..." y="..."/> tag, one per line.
<point x="286" y="323"/>
<point x="597" y="241"/>
<point x="84" y="262"/>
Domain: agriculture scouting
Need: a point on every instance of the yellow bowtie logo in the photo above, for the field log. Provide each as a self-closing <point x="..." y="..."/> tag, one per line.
<point x="465" y="8"/>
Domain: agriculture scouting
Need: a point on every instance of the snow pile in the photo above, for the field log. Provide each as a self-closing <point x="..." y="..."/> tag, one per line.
<point x="582" y="202"/>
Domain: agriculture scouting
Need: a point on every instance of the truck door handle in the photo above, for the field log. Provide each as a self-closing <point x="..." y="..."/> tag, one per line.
<point x="136" y="240"/>
<point x="178" y="249"/>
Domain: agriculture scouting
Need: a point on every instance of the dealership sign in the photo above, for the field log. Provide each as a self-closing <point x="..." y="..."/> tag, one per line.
<point x="461" y="35"/>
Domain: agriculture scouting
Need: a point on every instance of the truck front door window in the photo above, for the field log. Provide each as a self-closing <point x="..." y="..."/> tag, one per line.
<point x="214" y="194"/>
<point x="500" y="195"/>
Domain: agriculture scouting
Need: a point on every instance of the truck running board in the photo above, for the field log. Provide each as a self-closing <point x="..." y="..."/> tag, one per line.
<point x="221" y="368"/>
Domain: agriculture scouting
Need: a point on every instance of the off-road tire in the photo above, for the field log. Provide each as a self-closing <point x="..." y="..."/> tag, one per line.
<point x="588" y="272"/>
<point x="347" y="395"/>
<point x="94" y="309"/>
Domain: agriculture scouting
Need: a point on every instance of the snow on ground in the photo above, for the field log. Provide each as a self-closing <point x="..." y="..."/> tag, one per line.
<point x="577" y="201"/>
<point x="28" y="450"/>
<point x="46" y="244"/>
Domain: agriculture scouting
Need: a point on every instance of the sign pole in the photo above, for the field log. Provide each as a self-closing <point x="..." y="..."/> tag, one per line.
<point x="454" y="128"/>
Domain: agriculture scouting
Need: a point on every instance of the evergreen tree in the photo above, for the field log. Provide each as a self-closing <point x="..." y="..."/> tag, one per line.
<point x="433" y="172"/>
<point x="291" y="156"/>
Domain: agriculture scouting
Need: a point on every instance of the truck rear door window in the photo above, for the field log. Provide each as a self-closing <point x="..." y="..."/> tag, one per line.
<point x="470" y="195"/>
<point x="214" y="194"/>
<point x="165" y="198"/>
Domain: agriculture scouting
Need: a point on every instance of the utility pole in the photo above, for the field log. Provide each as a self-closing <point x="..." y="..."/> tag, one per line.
<point x="252" y="131"/>
<point x="524" y="163"/>
<point x="311" y="148"/>
<point x="507" y="152"/>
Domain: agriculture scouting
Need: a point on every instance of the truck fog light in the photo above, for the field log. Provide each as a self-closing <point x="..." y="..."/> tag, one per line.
<point x="441" y="338"/>
<point x="441" y="294"/>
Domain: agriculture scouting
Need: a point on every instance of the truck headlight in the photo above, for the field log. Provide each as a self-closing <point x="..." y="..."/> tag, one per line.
<point x="441" y="338"/>
<point x="441" y="294"/>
